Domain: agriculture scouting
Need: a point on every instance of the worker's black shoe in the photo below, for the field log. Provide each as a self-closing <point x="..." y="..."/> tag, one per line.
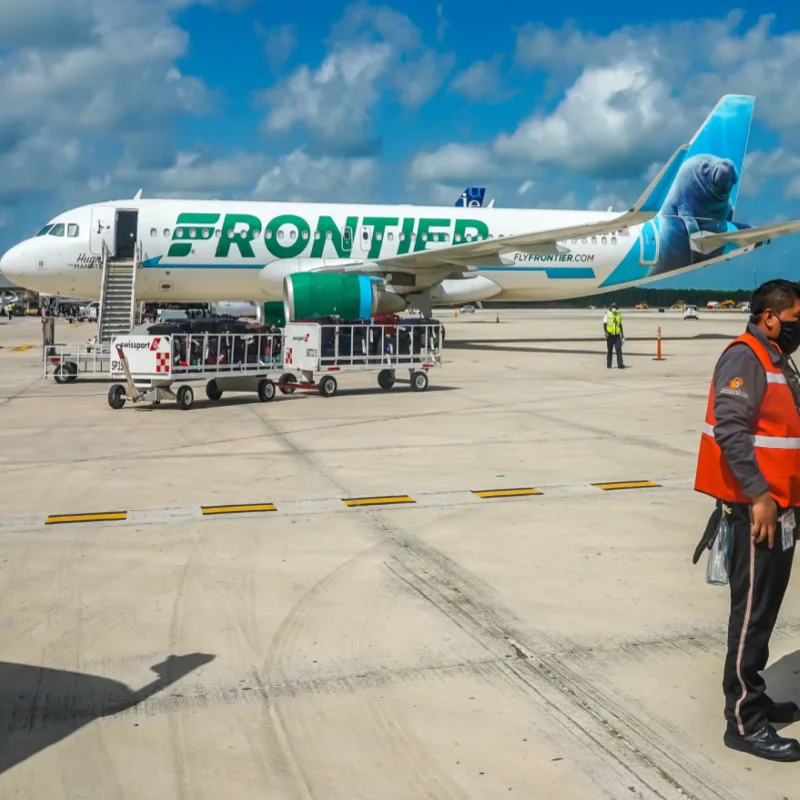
<point x="783" y="713"/>
<point x="764" y="743"/>
<point x="622" y="366"/>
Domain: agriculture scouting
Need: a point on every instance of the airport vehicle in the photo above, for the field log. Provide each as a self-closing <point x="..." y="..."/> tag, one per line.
<point x="384" y="258"/>
<point x="325" y="347"/>
<point x="149" y="364"/>
<point x="68" y="361"/>
<point x="470" y="309"/>
<point x="690" y="312"/>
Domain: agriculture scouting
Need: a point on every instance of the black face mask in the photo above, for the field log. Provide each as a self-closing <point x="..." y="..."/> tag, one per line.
<point x="789" y="338"/>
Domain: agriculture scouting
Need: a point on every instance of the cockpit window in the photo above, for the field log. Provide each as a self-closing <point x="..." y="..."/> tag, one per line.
<point x="44" y="231"/>
<point x="73" y="231"/>
<point x="58" y="230"/>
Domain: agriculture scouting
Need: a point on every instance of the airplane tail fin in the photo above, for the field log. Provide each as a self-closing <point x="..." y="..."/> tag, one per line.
<point x="718" y="148"/>
<point x="471" y="197"/>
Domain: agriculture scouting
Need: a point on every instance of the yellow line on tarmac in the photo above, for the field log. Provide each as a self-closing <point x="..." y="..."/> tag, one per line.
<point x="22" y="347"/>
<point x="241" y="509"/>
<point x="488" y="493"/>
<point x="378" y="501"/>
<point x="58" y="519"/>
<point x="608" y="487"/>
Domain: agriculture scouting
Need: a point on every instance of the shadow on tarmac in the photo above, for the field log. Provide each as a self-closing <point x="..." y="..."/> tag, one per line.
<point x="39" y="706"/>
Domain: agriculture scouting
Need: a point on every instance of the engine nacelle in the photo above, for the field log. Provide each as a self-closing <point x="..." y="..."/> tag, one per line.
<point x="271" y="277"/>
<point x="319" y="294"/>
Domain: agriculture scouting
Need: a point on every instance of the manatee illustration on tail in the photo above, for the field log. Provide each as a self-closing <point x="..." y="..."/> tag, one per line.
<point x="702" y="198"/>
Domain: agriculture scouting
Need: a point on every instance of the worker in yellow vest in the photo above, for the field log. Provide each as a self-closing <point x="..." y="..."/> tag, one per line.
<point x="612" y="327"/>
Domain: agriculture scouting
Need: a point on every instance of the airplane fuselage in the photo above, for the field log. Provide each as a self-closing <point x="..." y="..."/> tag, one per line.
<point x="208" y="250"/>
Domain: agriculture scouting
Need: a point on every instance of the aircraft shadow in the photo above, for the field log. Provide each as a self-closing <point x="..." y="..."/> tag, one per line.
<point x="39" y="706"/>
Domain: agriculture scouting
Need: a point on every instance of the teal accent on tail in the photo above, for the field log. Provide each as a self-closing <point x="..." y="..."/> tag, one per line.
<point x="714" y="162"/>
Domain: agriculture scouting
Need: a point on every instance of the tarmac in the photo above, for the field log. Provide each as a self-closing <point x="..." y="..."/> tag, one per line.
<point x="342" y="598"/>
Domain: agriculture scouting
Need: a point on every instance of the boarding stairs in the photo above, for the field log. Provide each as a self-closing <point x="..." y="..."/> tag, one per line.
<point x="117" y="315"/>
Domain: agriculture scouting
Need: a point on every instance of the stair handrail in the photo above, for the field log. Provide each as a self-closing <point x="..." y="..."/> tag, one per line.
<point x="137" y="261"/>
<point x="103" y="283"/>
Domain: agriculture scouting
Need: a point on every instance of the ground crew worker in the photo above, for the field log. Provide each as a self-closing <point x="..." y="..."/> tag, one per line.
<point x="612" y="327"/>
<point x="749" y="461"/>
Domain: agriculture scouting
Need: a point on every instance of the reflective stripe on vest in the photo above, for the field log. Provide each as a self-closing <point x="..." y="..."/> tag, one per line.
<point x="613" y="324"/>
<point x="775" y="435"/>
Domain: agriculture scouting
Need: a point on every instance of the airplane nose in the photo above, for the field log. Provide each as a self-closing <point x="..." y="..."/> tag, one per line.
<point x="13" y="265"/>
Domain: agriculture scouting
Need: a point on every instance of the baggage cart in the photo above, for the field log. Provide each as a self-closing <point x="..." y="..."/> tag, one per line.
<point x="316" y="351"/>
<point x="67" y="361"/>
<point x="225" y="362"/>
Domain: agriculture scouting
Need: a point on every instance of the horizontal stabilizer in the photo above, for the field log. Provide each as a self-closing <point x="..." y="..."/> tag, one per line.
<point x="709" y="242"/>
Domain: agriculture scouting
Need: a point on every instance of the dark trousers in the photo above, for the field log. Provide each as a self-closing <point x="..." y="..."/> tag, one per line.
<point x="758" y="580"/>
<point x="614" y="342"/>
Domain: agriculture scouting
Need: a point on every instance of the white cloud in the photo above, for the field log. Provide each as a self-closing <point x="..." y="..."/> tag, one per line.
<point x="612" y="119"/>
<point x="760" y="167"/>
<point x="300" y="177"/>
<point x="372" y="50"/>
<point x="442" y="24"/>
<point x="457" y="162"/>
<point x="280" y="42"/>
<point x="482" y="81"/>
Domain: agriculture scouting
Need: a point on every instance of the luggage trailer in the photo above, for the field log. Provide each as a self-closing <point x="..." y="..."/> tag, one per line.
<point x="320" y="349"/>
<point x="149" y="365"/>
<point x="240" y="362"/>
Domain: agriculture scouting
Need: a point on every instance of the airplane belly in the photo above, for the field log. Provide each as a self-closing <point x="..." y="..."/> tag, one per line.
<point x="202" y="285"/>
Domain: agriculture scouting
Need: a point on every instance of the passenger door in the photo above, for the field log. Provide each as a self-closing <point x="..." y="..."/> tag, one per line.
<point x="104" y="223"/>
<point x="126" y="234"/>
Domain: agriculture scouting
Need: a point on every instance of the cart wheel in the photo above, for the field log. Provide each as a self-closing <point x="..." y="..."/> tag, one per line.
<point x="419" y="381"/>
<point x="116" y="396"/>
<point x="61" y="374"/>
<point x="213" y="392"/>
<point x="328" y="386"/>
<point x="385" y="379"/>
<point x="266" y="390"/>
<point x="185" y="397"/>
<point x="287" y="377"/>
<point x="72" y="371"/>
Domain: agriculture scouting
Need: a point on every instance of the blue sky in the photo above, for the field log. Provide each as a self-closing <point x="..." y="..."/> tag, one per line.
<point x="557" y="106"/>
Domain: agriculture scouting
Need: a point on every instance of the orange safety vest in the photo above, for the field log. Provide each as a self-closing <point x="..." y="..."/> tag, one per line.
<point x="776" y="440"/>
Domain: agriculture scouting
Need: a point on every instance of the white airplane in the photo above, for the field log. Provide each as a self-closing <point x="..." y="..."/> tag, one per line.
<point x="358" y="260"/>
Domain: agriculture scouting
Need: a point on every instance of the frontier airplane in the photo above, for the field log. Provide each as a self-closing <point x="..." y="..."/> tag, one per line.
<point x="320" y="257"/>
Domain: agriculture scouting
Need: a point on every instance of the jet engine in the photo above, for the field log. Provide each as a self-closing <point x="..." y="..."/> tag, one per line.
<point x="319" y="294"/>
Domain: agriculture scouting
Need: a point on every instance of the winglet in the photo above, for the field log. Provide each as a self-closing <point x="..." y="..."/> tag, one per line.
<point x="654" y="195"/>
<point x="138" y="195"/>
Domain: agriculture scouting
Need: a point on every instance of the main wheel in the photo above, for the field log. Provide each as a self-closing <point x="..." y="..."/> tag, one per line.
<point x="385" y="379"/>
<point x="116" y="396"/>
<point x="328" y="386"/>
<point x="419" y="381"/>
<point x="287" y="377"/>
<point x="213" y="392"/>
<point x="185" y="397"/>
<point x="266" y="390"/>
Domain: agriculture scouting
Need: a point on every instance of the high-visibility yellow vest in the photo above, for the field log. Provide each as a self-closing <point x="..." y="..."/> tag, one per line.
<point x="614" y="323"/>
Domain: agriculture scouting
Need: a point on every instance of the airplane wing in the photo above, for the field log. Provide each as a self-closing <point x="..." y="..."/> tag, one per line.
<point x="465" y="255"/>
<point x="745" y="237"/>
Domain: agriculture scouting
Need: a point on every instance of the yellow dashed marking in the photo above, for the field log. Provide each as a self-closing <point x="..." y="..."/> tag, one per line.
<point x="58" y="519"/>
<point x="608" y="487"/>
<point x="488" y="493"/>
<point x="238" y="509"/>
<point x="22" y="347"/>
<point x="378" y="501"/>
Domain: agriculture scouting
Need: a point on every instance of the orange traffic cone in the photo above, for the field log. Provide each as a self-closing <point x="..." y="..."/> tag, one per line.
<point x="497" y="318"/>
